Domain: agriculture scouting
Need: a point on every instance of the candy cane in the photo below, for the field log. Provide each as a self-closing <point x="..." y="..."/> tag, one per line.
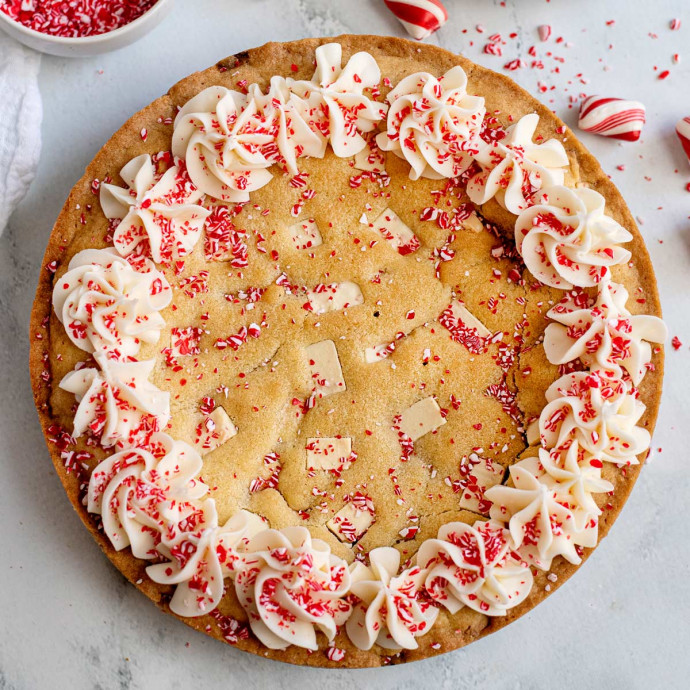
<point x="683" y="132"/>
<point x="612" y="117"/>
<point x="419" y="17"/>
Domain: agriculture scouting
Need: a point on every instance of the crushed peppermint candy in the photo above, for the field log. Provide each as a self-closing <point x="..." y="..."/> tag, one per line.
<point x="77" y="18"/>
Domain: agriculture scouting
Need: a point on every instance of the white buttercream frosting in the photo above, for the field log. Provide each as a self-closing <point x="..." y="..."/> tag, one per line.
<point x="200" y="559"/>
<point x="230" y="139"/>
<point x="223" y="144"/>
<point x="151" y="500"/>
<point x="117" y="402"/>
<point x="393" y="609"/>
<point x="139" y="491"/>
<point x="106" y="305"/>
<point x="603" y="335"/>
<point x="540" y="525"/>
<point x="515" y="168"/>
<point x="597" y="411"/>
<point x="290" y="118"/>
<point x="158" y="213"/>
<point x="434" y="124"/>
<point x="291" y="585"/>
<point x="574" y="475"/>
<point x="566" y="239"/>
<point x="339" y="108"/>
<point x="475" y="567"/>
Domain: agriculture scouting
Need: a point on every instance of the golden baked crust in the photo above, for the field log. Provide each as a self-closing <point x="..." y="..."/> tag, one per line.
<point x="82" y="225"/>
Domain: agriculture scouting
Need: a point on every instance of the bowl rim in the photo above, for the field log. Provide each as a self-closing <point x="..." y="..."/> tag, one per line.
<point x="83" y="40"/>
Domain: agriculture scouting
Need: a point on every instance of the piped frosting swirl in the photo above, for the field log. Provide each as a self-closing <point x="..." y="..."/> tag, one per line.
<point x="116" y="402"/>
<point x="603" y="335"/>
<point x="393" y="609"/>
<point x="515" y="167"/>
<point x="158" y="213"/>
<point x="106" y="305"/>
<point x="434" y="124"/>
<point x="566" y="239"/>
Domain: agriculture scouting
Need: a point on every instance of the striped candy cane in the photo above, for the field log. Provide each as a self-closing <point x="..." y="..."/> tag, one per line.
<point x="612" y="117"/>
<point x="419" y="17"/>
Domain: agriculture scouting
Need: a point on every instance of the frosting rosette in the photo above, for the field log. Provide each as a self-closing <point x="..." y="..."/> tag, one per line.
<point x="515" y="168"/>
<point x="288" y="118"/>
<point x="143" y="494"/>
<point x="541" y="526"/>
<point x="158" y="213"/>
<point x="393" y="609"/>
<point x="566" y="239"/>
<point x="597" y="411"/>
<point x="222" y="143"/>
<point x="230" y="139"/>
<point x="117" y="403"/>
<point x="434" y="124"/>
<point x="475" y="567"/>
<point x="201" y="557"/>
<point x="291" y="585"/>
<point x="574" y="475"/>
<point x="603" y="335"/>
<point x="106" y="305"/>
<point x="339" y="108"/>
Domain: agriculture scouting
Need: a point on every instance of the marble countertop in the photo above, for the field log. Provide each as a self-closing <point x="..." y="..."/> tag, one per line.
<point x="69" y="618"/>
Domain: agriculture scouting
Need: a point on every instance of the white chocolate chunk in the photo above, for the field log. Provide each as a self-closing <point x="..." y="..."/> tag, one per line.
<point x="370" y="159"/>
<point x="217" y="429"/>
<point x="326" y="374"/>
<point x="328" y="453"/>
<point x="461" y="314"/>
<point x="482" y="476"/>
<point x="473" y="223"/>
<point x="392" y="229"/>
<point x="422" y="418"/>
<point x="378" y="352"/>
<point x="305" y="234"/>
<point x="532" y="433"/>
<point x="349" y="524"/>
<point x="333" y="297"/>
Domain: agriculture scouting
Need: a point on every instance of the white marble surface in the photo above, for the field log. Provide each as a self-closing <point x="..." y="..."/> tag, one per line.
<point x="68" y="618"/>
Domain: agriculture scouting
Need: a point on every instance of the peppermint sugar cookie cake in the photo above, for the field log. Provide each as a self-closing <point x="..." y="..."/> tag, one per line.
<point x="346" y="351"/>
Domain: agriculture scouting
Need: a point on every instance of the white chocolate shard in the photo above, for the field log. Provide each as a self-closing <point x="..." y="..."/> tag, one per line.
<point x="370" y="159"/>
<point x="392" y="229"/>
<point x="326" y="374"/>
<point x="532" y="432"/>
<point x="461" y="313"/>
<point x="350" y="523"/>
<point x="481" y="474"/>
<point x="305" y="234"/>
<point x="328" y="453"/>
<point x="334" y="297"/>
<point x="422" y="418"/>
<point x="214" y="431"/>
<point x="473" y="223"/>
<point x="378" y="352"/>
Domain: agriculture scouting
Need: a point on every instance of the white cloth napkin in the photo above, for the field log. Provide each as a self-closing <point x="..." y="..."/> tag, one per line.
<point x="21" y="112"/>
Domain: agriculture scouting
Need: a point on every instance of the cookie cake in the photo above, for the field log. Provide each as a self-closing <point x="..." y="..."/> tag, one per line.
<point x="346" y="351"/>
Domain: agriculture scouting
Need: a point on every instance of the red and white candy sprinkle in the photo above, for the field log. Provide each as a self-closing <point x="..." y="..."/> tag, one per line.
<point x="419" y="17"/>
<point x="612" y="117"/>
<point x="544" y="32"/>
<point x="683" y="132"/>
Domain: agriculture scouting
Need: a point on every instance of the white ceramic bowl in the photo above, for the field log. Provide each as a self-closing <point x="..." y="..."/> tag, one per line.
<point x="88" y="45"/>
